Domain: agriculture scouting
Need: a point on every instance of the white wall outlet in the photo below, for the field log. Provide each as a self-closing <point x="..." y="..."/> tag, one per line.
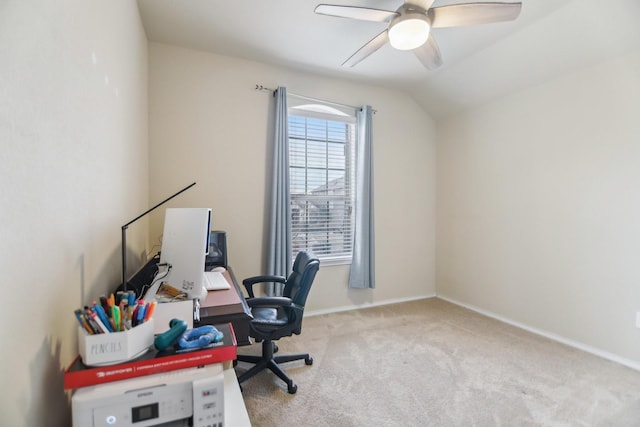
<point x="637" y="319"/>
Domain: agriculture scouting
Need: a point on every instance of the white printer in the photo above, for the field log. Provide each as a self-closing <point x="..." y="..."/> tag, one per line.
<point x="185" y="397"/>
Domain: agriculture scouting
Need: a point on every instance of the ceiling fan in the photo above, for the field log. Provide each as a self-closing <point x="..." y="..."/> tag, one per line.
<point x="409" y="27"/>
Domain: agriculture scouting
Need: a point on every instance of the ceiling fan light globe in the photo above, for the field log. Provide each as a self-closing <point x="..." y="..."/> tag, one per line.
<point x="409" y="32"/>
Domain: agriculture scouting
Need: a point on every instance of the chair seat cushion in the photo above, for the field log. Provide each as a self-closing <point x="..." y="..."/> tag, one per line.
<point x="269" y="316"/>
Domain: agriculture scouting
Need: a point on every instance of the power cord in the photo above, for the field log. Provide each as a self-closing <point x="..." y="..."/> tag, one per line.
<point x="144" y="289"/>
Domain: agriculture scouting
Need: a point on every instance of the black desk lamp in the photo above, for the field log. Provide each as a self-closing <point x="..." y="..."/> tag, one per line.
<point x="124" y="234"/>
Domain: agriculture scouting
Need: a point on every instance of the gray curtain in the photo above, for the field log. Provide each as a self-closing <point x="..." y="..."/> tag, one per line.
<point x="279" y="250"/>
<point x="362" y="273"/>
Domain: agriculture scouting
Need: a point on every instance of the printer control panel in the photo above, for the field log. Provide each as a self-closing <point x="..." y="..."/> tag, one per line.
<point x="208" y="403"/>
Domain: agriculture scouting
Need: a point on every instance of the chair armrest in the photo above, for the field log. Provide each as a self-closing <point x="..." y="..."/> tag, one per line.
<point x="250" y="281"/>
<point x="269" y="302"/>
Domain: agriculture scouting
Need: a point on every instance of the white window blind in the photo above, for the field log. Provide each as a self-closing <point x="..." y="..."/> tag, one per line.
<point x="321" y="169"/>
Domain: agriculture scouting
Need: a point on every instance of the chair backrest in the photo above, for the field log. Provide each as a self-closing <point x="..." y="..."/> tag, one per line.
<point x="299" y="282"/>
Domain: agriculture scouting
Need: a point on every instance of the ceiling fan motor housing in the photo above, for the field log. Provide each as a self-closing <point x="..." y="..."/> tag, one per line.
<point x="409" y="30"/>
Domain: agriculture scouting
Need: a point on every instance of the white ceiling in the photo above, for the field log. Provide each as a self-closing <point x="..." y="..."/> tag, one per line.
<point x="481" y="63"/>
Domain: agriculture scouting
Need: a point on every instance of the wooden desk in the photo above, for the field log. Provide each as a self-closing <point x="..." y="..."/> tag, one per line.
<point x="228" y="306"/>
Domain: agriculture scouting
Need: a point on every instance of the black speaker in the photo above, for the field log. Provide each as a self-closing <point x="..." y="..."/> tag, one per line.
<point x="217" y="250"/>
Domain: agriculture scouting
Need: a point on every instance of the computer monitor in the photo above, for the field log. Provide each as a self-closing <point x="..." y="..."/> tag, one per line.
<point x="217" y="256"/>
<point x="185" y="243"/>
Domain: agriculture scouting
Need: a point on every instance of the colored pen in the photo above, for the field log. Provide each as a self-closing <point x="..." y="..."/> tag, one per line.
<point x="122" y="313"/>
<point x="129" y="317"/>
<point x="149" y="310"/>
<point x="94" y="317"/>
<point x="134" y="315"/>
<point x="131" y="297"/>
<point x="141" y="312"/>
<point x="91" y="321"/>
<point x="83" y="322"/>
<point x="97" y="308"/>
<point x="116" y="317"/>
<point x="120" y="319"/>
<point x="104" y="303"/>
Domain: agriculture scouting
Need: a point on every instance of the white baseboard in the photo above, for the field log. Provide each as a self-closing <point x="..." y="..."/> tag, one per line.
<point x="575" y="344"/>
<point x="595" y="351"/>
<point x="367" y="305"/>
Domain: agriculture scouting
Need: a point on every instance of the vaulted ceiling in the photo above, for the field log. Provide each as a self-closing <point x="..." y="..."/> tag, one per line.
<point x="481" y="63"/>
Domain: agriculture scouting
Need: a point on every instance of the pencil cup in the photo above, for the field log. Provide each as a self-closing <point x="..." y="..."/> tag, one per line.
<point x="115" y="347"/>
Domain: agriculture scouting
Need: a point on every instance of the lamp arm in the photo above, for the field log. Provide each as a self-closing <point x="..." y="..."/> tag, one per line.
<point x="124" y="233"/>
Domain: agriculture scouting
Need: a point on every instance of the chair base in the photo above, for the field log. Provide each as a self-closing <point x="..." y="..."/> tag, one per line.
<point x="271" y="362"/>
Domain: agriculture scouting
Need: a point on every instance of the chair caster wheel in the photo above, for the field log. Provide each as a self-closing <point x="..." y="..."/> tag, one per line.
<point x="308" y="361"/>
<point x="292" y="388"/>
<point x="275" y="348"/>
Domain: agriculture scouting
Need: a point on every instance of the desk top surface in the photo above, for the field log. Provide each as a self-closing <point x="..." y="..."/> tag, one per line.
<point x="226" y="301"/>
<point x="223" y="297"/>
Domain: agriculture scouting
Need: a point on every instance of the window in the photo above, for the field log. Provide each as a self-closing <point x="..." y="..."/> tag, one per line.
<point x="321" y="173"/>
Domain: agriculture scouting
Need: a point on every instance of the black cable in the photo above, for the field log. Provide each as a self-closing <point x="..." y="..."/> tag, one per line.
<point x="145" y="288"/>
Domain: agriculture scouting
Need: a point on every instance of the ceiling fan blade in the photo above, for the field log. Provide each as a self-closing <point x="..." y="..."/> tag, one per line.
<point x="374" y="44"/>
<point x="429" y="54"/>
<point x="456" y="15"/>
<point x="420" y="4"/>
<point x="354" y="12"/>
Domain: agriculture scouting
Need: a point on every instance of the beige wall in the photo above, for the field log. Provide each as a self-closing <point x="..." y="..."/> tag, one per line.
<point x="537" y="195"/>
<point x="73" y="137"/>
<point x="538" y="208"/>
<point x="209" y="125"/>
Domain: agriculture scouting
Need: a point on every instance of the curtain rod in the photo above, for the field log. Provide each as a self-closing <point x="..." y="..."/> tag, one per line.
<point x="261" y="88"/>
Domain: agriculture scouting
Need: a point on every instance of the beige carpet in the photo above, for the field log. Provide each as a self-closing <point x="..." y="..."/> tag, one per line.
<point x="431" y="363"/>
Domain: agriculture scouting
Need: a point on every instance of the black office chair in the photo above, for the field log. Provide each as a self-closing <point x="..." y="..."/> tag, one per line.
<point x="277" y="317"/>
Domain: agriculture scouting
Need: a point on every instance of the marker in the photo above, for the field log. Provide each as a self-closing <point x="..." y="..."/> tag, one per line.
<point x="131" y="297"/>
<point x="116" y="317"/>
<point x="141" y="312"/>
<point x="122" y="314"/>
<point x="130" y="310"/>
<point x="149" y="310"/>
<point x="134" y="315"/>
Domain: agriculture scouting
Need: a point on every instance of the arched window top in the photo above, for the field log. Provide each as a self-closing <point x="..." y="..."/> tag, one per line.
<point x="306" y="107"/>
<point x="319" y="108"/>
